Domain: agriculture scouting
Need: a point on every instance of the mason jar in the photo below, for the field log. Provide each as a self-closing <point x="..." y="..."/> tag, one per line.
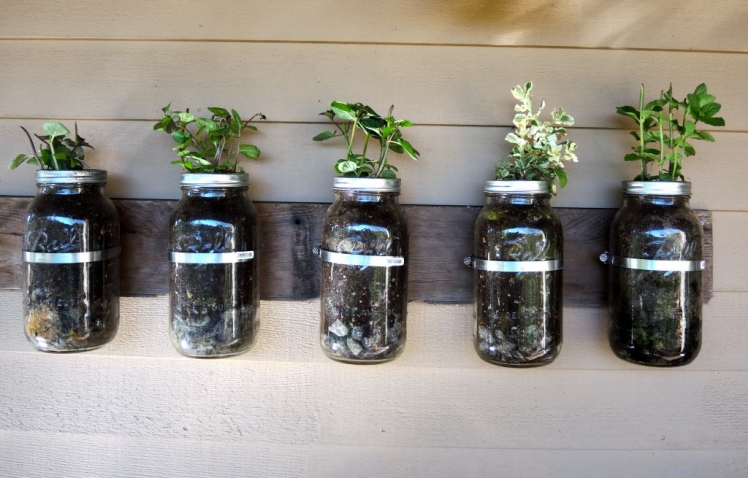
<point x="656" y="262"/>
<point x="71" y="262"/>
<point x="364" y="280"/>
<point x="517" y="259"/>
<point x="214" y="281"/>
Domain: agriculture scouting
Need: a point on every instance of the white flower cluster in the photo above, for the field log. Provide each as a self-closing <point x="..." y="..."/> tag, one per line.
<point x="539" y="143"/>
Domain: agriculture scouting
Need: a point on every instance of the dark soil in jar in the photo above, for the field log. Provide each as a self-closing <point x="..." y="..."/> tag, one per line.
<point x="518" y="314"/>
<point x="214" y="307"/>
<point x="364" y="309"/>
<point x="655" y="316"/>
<point x="71" y="307"/>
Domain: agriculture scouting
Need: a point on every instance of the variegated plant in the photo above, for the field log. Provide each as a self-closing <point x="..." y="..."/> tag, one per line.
<point x="539" y="151"/>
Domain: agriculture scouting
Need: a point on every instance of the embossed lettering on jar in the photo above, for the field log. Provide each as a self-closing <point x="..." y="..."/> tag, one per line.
<point x="656" y="257"/>
<point x="518" y="276"/>
<point x="71" y="262"/>
<point x="364" y="282"/>
<point x="214" y="282"/>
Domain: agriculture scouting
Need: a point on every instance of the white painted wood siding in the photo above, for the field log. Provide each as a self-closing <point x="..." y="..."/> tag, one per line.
<point x="137" y="409"/>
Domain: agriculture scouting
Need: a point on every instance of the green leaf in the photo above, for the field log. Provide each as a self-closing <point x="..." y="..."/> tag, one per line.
<point x="713" y="121"/>
<point x="186" y="118"/>
<point x="389" y="174"/>
<point x="563" y="178"/>
<point x="55" y="129"/>
<point x="249" y="150"/>
<point x="629" y="111"/>
<point x="18" y="161"/>
<point x="700" y="90"/>
<point x="631" y="157"/>
<point x="343" y="111"/>
<point x="346" y="166"/>
<point x="412" y="152"/>
<point x="206" y="123"/>
<point x="705" y="135"/>
<point x="710" y="109"/>
<point x="324" y="135"/>
<point x="222" y="112"/>
<point x="181" y="136"/>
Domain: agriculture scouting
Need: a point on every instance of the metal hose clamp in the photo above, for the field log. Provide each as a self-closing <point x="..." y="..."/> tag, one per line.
<point x="358" y="259"/>
<point x="514" y="266"/>
<point x="211" y="257"/>
<point x="70" y="257"/>
<point x="652" y="265"/>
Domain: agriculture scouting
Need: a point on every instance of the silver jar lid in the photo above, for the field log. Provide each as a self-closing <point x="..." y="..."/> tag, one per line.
<point x="657" y="188"/>
<point x="380" y="185"/>
<point x="81" y="176"/>
<point x="215" y="180"/>
<point x="518" y="187"/>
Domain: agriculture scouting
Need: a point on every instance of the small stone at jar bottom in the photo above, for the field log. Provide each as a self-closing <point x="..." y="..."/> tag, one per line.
<point x="338" y="328"/>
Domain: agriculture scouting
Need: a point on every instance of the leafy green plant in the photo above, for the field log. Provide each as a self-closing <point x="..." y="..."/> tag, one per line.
<point x="56" y="149"/>
<point x="208" y="145"/>
<point x="538" y="153"/>
<point x="664" y="136"/>
<point x="359" y="117"/>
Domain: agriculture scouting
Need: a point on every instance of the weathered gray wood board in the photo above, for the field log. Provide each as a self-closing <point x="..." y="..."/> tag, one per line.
<point x="441" y="236"/>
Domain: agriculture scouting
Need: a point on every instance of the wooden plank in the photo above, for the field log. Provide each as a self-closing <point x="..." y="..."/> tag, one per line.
<point x="34" y="454"/>
<point x="454" y="163"/>
<point x="729" y="251"/>
<point x="293" y="82"/>
<point x="439" y="335"/>
<point x="328" y="404"/>
<point x="582" y="23"/>
<point x="440" y="239"/>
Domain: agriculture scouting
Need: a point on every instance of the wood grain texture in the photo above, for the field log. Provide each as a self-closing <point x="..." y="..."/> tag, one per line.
<point x="35" y="454"/>
<point x="439" y="336"/>
<point x="292" y="82"/>
<point x="441" y="237"/>
<point x="454" y="163"/>
<point x="731" y="231"/>
<point x="302" y="404"/>
<point x="582" y="23"/>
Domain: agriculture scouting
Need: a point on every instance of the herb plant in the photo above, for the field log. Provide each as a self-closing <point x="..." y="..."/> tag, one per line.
<point x="538" y="153"/>
<point x="355" y="117"/>
<point x="670" y="124"/>
<point x="56" y="149"/>
<point x="208" y="145"/>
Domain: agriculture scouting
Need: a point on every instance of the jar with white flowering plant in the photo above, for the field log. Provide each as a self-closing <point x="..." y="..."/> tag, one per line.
<point x="518" y="243"/>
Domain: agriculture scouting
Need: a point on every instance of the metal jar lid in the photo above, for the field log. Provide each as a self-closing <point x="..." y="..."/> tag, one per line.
<point x="518" y="187"/>
<point x="215" y="180"/>
<point x="657" y="188"/>
<point x="82" y="176"/>
<point x="379" y="185"/>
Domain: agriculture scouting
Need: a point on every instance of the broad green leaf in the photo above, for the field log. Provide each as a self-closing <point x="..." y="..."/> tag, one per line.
<point x="396" y="147"/>
<point x="700" y="90"/>
<point x="711" y="109"/>
<point x="324" y="135"/>
<point x="563" y="178"/>
<point x="249" y="150"/>
<point x="403" y="123"/>
<point x="706" y="136"/>
<point x="55" y="129"/>
<point x="181" y="136"/>
<point x="249" y="126"/>
<point x="631" y="157"/>
<point x="713" y="121"/>
<point x="690" y="127"/>
<point x="32" y="160"/>
<point x="412" y="152"/>
<point x="343" y="111"/>
<point x="206" y="123"/>
<point x="389" y="174"/>
<point x="346" y="166"/>
<point x="18" y="161"/>
<point x="219" y="111"/>
<point x="186" y="118"/>
<point x="628" y="111"/>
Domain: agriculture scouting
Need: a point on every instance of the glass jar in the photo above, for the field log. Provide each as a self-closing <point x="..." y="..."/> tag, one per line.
<point x="656" y="258"/>
<point x="364" y="285"/>
<point x="71" y="262"/>
<point x="517" y="259"/>
<point x="214" y="281"/>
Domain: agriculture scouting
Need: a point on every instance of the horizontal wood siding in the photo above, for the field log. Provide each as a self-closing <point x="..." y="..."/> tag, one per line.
<point x="136" y="408"/>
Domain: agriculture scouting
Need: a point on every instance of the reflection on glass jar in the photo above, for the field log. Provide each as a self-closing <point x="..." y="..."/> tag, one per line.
<point x="518" y="276"/>
<point x="71" y="262"/>
<point x="214" y="281"/>
<point x="655" y="307"/>
<point x="364" y="280"/>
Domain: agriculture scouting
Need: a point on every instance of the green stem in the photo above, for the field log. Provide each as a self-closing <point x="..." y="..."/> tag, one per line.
<point x="363" y="153"/>
<point x="641" y="133"/>
<point x="353" y="134"/>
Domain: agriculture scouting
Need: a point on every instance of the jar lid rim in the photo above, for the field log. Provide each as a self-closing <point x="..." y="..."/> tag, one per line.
<point x="518" y="187"/>
<point x="78" y="176"/>
<point x="217" y="180"/>
<point x="657" y="188"/>
<point x="382" y="185"/>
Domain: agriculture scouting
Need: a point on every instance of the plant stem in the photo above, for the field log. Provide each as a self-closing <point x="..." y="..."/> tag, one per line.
<point x="641" y="133"/>
<point x="33" y="148"/>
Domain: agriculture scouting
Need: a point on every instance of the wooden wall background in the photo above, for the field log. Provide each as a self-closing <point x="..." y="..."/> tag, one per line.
<point x="137" y="408"/>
